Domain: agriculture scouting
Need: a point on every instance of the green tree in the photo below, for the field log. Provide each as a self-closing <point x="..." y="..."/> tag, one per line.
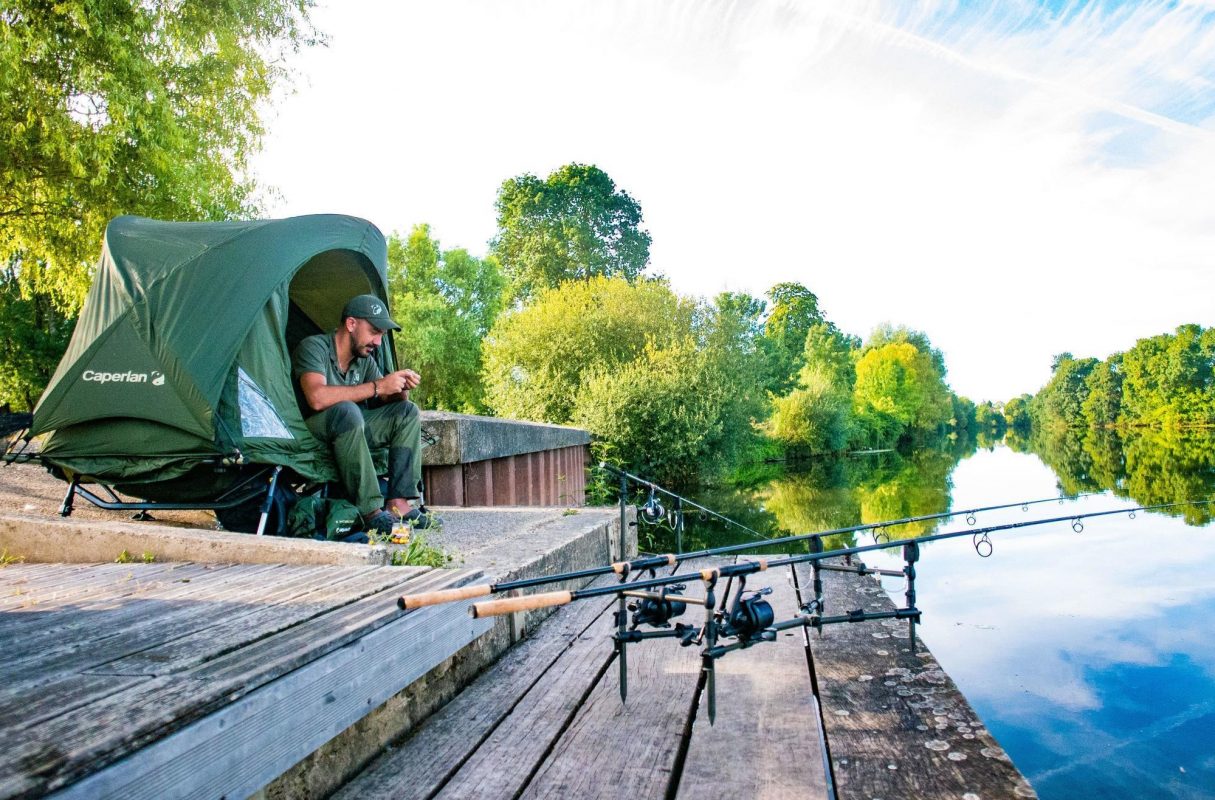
<point x="794" y="309"/>
<point x="1017" y="413"/>
<point x="815" y="417"/>
<point x="831" y="353"/>
<point x="990" y="419"/>
<point x="1103" y="404"/>
<point x="965" y="413"/>
<point x="536" y="357"/>
<point x="115" y="107"/>
<point x="1168" y="379"/>
<point x="33" y="335"/>
<point x="899" y="390"/>
<point x="574" y="225"/>
<point x="660" y="414"/>
<point x="886" y="334"/>
<point x="447" y="301"/>
<point x="1059" y="402"/>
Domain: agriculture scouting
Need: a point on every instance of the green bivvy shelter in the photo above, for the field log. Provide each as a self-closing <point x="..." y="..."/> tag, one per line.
<point x="178" y="376"/>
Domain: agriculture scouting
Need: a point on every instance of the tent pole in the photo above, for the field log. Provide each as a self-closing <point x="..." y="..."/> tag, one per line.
<point x="269" y="501"/>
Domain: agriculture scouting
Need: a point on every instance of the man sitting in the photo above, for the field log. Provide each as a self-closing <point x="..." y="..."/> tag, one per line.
<point x="351" y="406"/>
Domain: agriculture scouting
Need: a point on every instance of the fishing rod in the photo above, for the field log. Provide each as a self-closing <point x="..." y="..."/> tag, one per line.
<point x="652" y="563"/>
<point x="748" y="619"/>
<point x="656" y="510"/>
<point x="529" y="602"/>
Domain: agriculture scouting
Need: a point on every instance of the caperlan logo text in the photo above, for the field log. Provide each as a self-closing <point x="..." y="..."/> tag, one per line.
<point x="94" y="376"/>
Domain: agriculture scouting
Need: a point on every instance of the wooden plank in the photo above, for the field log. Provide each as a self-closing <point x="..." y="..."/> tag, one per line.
<point x="896" y="725"/>
<point x="277" y="611"/>
<point x="72" y="584"/>
<point x="73" y="745"/>
<point x="612" y="749"/>
<point x="55" y="673"/>
<point x="765" y="740"/>
<point x="92" y="638"/>
<point x="444" y="743"/>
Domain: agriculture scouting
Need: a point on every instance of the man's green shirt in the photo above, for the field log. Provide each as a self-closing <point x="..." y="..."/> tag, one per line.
<point x="319" y="354"/>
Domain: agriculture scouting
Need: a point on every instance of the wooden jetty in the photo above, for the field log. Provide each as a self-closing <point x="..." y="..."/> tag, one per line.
<point x="200" y="680"/>
<point x="547" y="720"/>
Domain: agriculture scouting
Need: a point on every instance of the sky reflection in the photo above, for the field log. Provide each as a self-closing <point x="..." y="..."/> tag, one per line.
<point x="1088" y="655"/>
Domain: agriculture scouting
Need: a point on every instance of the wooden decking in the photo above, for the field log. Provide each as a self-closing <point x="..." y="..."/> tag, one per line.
<point x="199" y="680"/>
<point x="195" y="680"/>
<point x="547" y="721"/>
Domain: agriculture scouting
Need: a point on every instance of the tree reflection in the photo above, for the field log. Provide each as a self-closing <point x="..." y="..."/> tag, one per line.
<point x="1147" y="467"/>
<point x="1143" y="467"/>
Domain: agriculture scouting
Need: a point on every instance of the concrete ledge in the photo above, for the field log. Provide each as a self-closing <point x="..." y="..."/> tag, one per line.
<point x="464" y="438"/>
<point x="69" y="541"/>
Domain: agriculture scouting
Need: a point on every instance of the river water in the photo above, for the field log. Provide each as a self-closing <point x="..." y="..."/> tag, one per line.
<point x="1090" y="655"/>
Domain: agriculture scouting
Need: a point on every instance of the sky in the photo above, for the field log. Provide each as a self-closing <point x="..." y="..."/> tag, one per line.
<point x="1014" y="179"/>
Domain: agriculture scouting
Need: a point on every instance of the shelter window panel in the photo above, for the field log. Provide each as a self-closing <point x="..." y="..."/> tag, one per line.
<point x="258" y="419"/>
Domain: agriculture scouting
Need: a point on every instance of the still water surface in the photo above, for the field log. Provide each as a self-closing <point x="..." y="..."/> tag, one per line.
<point x="1090" y="656"/>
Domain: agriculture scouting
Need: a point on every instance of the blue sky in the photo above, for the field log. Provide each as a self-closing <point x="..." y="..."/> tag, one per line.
<point x="1014" y="179"/>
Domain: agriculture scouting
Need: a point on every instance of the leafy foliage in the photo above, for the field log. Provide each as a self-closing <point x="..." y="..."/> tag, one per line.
<point x="113" y="107"/>
<point x="446" y="302"/>
<point x="536" y="357"/>
<point x="34" y="333"/>
<point x="794" y="311"/>
<point x="668" y="386"/>
<point x="1163" y="381"/>
<point x="574" y="225"/>
<point x="898" y="390"/>
<point x="660" y="413"/>
<point x="815" y="417"/>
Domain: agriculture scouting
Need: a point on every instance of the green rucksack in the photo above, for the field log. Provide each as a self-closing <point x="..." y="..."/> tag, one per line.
<point x="317" y="517"/>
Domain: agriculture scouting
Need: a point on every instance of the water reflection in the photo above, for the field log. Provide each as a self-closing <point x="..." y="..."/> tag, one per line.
<point x="1087" y="655"/>
<point x="1143" y="468"/>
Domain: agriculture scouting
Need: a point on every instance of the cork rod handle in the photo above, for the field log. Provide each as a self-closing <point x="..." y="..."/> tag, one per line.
<point x="412" y="601"/>
<point x="508" y="605"/>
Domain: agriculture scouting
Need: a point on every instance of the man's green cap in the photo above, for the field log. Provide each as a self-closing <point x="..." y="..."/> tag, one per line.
<point x="372" y="309"/>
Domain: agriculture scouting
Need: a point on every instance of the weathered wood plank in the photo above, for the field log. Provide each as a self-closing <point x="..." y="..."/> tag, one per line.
<point x="611" y="749"/>
<point x="896" y="725"/>
<point x="72" y="584"/>
<point x="280" y="609"/>
<point x="290" y="649"/>
<point x="444" y="743"/>
<point x="765" y="740"/>
<point x="62" y="690"/>
<point x="76" y="743"/>
<point x="505" y="760"/>
<point x="92" y="638"/>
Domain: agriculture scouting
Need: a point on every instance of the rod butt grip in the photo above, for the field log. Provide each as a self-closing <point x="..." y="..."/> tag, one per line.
<point x="411" y="601"/>
<point x="507" y="605"/>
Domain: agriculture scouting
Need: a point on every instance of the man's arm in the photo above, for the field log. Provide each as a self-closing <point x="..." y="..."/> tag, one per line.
<point x="320" y="395"/>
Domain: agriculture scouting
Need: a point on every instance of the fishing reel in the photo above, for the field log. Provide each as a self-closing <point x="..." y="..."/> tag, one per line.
<point x="750" y="615"/>
<point x="653" y="510"/>
<point x="656" y="610"/>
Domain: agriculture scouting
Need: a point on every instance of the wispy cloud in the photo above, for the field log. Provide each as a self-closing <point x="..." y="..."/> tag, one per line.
<point x="1015" y="179"/>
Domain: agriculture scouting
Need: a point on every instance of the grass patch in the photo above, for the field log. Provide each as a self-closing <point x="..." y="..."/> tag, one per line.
<point x="6" y="559"/>
<point x="417" y="552"/>
<point x="126" y="558"/>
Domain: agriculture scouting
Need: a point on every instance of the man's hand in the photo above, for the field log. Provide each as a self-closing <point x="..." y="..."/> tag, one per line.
<point x="399" y="382"/>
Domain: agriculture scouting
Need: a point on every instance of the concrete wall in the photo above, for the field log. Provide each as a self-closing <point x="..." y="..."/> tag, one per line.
<point x="485" y="461"/>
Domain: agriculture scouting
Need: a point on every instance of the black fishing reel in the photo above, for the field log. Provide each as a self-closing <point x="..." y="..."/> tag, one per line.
<point x="750" y="615"/>
<point x="658" y="612"/>
<point x="653" y="511"/>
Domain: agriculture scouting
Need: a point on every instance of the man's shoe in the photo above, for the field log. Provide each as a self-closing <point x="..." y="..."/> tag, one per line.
<point x="421" y="519"/>
<point x="380" y="522"/>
